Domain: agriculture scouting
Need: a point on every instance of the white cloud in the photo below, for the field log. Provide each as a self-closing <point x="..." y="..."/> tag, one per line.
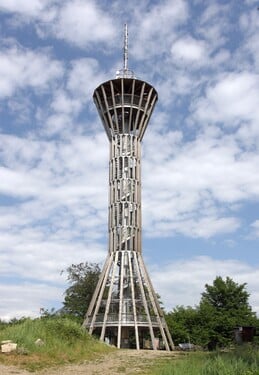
<point x="248" y="53"/>
<point x="81" y="78"/>
<point x="56" y="182"/>
<point x="195" y="183"/>
<point x="231" y="100"/>
<point x="255" y="228"/>
<point x="150" y="38"/>
<point x="32" y="258"/>
<point x="64" y="104"/>
<point x="20" y="69"/>
<point x="26" y="299"/>
<point x="182" y="282"/>
<point x="212" y="11"/>
<point x="82" y="23"/>
<point x="29" y="8"/>
<point x="214" y="24"/>
<point x="189" y="50"/>
<point x="249" y="21"/>
<point x="38" y="254"/>
<point x="84" y="77"/>
<point x="46" y="169"/>
<point x="78" y="22"/>
<point x="28" y="186"/>
<point x="58" y="219"/>
<point x="204" y="227"/>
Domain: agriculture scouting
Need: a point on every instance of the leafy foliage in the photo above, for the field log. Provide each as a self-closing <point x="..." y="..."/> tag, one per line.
<point x="2" y="323"/>
<point x="83" y="278"/>
<point x="226" y="295"/>
<point x="224" y="305"/>
<point x="182" y="322"/>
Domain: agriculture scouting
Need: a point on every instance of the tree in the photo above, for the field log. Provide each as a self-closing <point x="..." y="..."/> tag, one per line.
<point x="83" y="278"/>
<point x="224" y="305"/>
<point x="227" y="295"/>
<point x="183" y="322"/>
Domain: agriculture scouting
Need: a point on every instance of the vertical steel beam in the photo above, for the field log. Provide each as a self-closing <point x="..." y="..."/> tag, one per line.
<point x="154" y="302"/>
<point x="133" y="299"/>
<point x="121" y="298"/>
<point x="99" y="299"/>
<point x="107" y="307"/>
<point x="161" y="314"/>
<point x="97" y="290"/>
<point x="144" y="300"/>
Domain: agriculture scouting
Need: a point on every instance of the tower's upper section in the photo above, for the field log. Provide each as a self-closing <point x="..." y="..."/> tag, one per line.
<point x="125" y="104"/>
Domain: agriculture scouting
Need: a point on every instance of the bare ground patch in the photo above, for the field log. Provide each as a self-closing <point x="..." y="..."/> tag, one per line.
<point x="115" y="363"/>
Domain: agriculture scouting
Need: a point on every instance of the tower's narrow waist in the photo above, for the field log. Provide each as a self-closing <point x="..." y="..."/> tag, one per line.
<point x="125" y="194"/>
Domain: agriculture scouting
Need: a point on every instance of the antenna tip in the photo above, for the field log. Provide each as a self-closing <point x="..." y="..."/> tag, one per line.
<point x="125" y="72"/>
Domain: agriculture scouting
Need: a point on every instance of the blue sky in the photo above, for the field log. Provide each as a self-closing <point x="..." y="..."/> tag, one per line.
<point x="200" y="180"/>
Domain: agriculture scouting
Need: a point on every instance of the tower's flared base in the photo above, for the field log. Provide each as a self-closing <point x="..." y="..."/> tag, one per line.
<point x="124" y="310"/>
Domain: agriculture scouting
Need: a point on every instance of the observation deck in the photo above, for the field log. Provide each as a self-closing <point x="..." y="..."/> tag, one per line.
<point x="125" y="106"/>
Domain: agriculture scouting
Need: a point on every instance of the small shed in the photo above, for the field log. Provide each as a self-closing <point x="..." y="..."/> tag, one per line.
<point x="244" y="334"/>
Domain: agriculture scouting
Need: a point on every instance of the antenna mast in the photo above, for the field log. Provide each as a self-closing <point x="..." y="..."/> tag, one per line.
<point x="125" y="72"/>
<point x="125" y="50"/>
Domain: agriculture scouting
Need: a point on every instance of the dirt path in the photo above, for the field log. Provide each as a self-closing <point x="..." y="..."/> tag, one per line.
<point x="120" y="362"/>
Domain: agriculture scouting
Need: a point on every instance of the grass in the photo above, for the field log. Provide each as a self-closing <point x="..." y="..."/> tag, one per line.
<point x="64" y="342"/>
<point x="241" y="361"/>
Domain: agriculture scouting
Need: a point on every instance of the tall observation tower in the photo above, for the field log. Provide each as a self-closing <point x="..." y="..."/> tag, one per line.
<point x="124" y="310"/>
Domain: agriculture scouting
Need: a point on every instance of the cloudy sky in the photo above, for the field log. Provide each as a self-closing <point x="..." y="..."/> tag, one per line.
<point x="200" y="152"/>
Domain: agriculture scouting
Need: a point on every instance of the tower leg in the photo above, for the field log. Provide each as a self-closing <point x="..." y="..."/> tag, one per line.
<point x="99" y="299"/>
<point x="133" y="302"/>
<point x="125" y="308"/>
<point x="145" y="301"/>
<point x="97" y="289"/>
<point x="121" y="298"/>
<point x="107" y="308"/>
<point x="157" y="309"/>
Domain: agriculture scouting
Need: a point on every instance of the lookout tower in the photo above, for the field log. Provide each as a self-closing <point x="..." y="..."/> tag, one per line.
<point x="124" y="310"/>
